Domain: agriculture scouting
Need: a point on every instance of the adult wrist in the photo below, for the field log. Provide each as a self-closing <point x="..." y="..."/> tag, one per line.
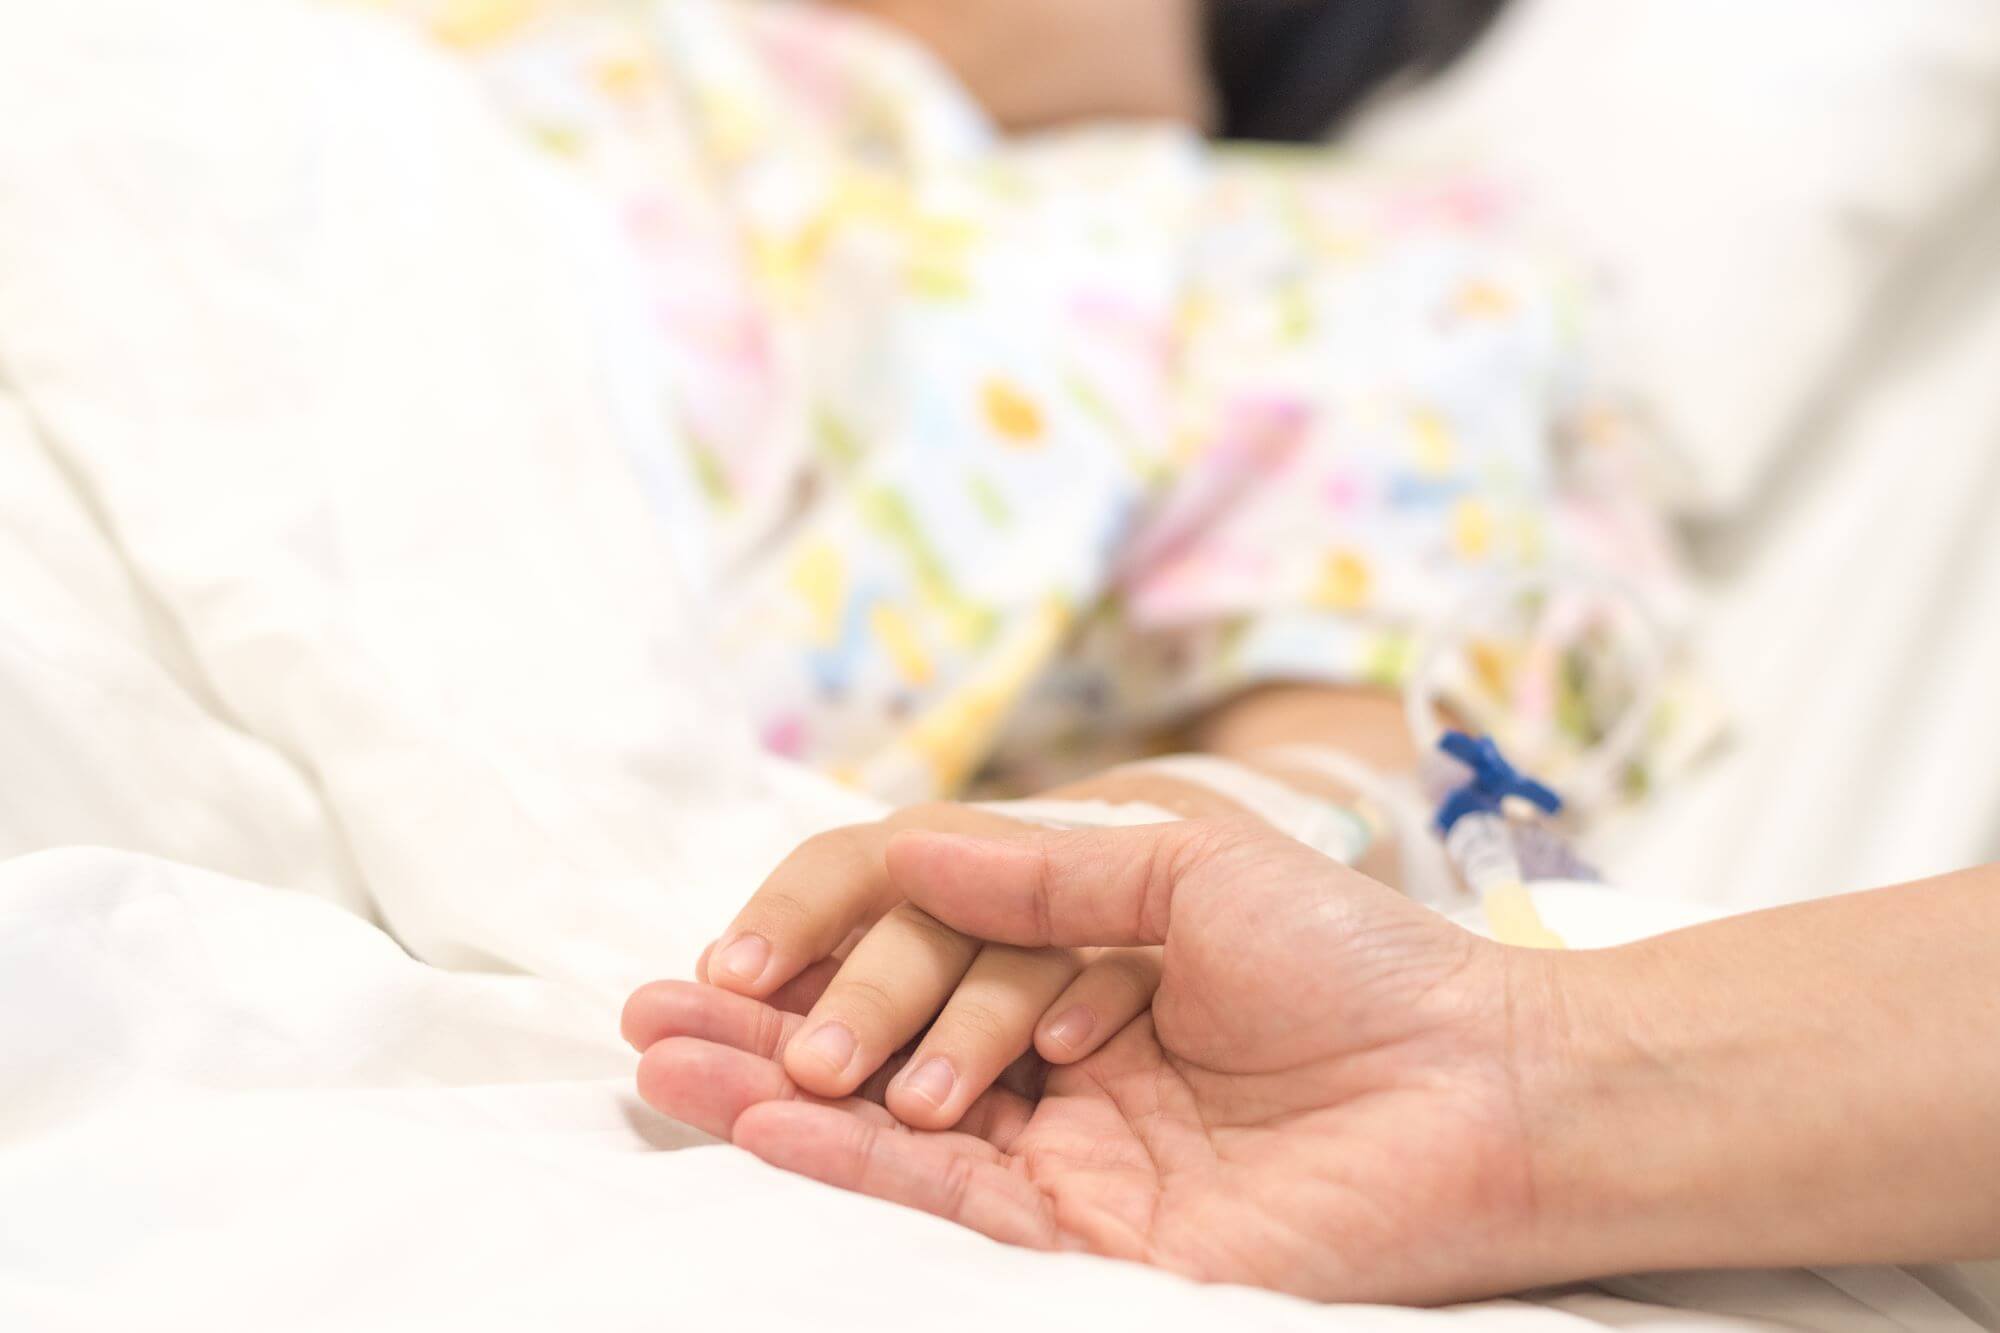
<point x="1617" y="1130"/>
<point x="1813" y="1084"/>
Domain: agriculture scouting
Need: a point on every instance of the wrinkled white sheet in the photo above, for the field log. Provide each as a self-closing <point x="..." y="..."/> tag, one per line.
<point x="327" y="599"/>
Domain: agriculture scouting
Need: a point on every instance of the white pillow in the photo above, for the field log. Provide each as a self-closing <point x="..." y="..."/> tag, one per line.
<point x="1750" y="174"/>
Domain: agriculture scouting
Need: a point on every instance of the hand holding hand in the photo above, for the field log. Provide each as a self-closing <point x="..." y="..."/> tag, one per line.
<point x="1323" y="1098"/>
<point x="830" y="937"/>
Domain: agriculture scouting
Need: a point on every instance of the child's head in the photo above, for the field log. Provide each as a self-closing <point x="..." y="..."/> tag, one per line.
<point x="1290" y="70"/>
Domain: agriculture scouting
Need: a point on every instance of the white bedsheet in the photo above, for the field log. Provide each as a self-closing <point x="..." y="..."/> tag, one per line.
<point x="320" y="566"/>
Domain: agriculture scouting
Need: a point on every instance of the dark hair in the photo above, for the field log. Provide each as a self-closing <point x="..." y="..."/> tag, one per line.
<point x="1290" y="70"/>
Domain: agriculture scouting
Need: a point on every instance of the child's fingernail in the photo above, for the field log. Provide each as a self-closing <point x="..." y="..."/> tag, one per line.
<point x="831" y="1042"/>
<point x="931" y="1081"/>
<point x="743" y="960"/>
<point x="1072" y="1028"/>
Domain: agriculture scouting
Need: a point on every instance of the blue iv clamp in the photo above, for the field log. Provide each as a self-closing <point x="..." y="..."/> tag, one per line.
<point x="1492" y="779"/>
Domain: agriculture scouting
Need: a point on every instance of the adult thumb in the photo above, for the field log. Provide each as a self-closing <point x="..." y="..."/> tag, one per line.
<point x="1077" y="888"/>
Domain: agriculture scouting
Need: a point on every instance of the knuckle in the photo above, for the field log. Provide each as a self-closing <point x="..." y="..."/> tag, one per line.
<point x="862" y="1146"/>
<point x="777" y="911"/>
<point x="970" y="1023"/>
<point x="955" y="1188"/>
<point x="1161" y="874"/>
<point x="847" y="850"/>
<point x="1203" y="840"/>
<point x="838" y="866"/>
<point x="866" y="1004"/>
<point x="769" y="1037"/>
<point x="1173" y="861"/>
<point x="1043" y="898"/>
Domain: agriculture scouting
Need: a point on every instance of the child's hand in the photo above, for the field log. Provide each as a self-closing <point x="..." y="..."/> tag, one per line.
<point x="826" y="936"/>
<point x="984" y="1005"/>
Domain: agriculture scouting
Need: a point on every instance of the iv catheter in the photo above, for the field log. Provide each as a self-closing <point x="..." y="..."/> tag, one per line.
<point x="1490" y="816"/>
<point x="1484" y="840"/>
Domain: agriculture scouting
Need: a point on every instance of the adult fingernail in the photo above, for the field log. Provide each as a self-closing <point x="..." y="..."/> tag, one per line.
<point x="743" y="960"/>
<point x="1071" y="1028"/>
<point x="833" y="1043"/>
<point x="931" y="1081"/>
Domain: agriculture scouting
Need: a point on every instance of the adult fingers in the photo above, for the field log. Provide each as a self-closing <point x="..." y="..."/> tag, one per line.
<point x="1082" y="887"/>
<point x="709" y="1085"/>
<point x="663" y="1009"/>
<point x="955" y="1176"/>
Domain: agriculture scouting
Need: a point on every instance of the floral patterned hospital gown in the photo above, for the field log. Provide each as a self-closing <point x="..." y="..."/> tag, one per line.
<point x="1001" y="445"/>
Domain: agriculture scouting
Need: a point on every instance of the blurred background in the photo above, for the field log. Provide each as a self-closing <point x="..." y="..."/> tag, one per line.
<point x="1793" y="206"/>
<point x="1797" y="205"/>
<point x="394" y="395"/>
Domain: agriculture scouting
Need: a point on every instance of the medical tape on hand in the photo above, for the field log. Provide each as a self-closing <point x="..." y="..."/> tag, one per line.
<point x="1328" y="828"/>
<point x="1060" y="814"/>
<point x="1427" y="873"/>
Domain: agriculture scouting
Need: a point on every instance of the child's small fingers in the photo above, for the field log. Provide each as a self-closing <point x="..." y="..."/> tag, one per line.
<point x="885" y="993"/>
<point x="988" y="1023"/>
<point x="830" y="884"/>
<point x="833" y="886"/>
<point x="1112" y="990"/>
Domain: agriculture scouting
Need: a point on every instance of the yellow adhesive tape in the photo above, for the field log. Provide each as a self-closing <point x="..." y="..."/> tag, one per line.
<point x="1510" y="912"/>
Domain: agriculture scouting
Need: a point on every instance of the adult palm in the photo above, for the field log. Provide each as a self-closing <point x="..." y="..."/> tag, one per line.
<point x="1323" y="1099"/>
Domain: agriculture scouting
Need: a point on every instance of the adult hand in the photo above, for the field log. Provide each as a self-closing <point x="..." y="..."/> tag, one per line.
<point x="902" y="1009"/>
<point x="896" y="1007"/>
<point x="1341" y="1095"/>
<point x="1325" y="1098"/>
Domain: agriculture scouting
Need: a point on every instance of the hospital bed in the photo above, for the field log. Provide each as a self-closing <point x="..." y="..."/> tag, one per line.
<point x="417" y="669"/>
